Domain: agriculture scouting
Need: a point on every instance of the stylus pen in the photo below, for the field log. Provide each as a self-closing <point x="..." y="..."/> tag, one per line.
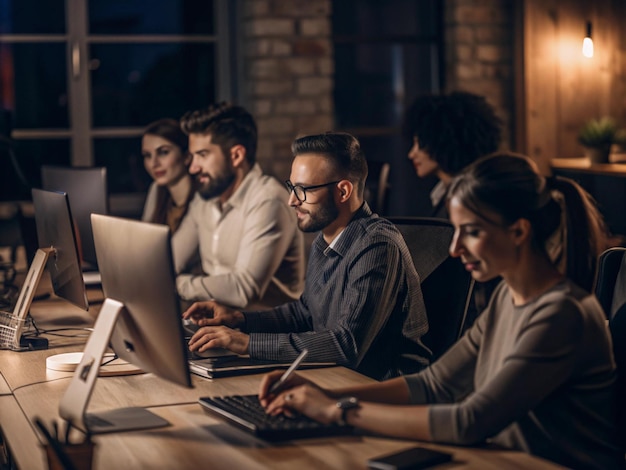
<point x="278" y="385"/>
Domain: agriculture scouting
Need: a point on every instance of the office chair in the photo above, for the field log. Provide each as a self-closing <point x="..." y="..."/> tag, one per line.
<point x="446" y="285"/>
<point x="377" y="185"/>
<point x="611" y="292"/>
<point x="86" y="188"/>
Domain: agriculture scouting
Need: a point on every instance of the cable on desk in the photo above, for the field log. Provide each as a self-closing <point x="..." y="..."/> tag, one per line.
<point x="69" y="377"/>
<point x="52" y="331"/>
<point x="30" y="321"/>
<point x="55" y="332"/>
<point x="114" y="358"/>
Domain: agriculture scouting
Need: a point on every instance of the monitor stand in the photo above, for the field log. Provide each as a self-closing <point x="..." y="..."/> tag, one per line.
<point x="73" y="406"/>
<point x="10" y="334"/>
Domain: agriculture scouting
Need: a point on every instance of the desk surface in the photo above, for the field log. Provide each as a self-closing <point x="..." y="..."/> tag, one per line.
<point x="195" y="439"/>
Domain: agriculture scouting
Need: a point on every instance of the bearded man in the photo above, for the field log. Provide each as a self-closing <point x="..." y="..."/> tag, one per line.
<point x="239" y="222"/>
<point x="362" y="305"/>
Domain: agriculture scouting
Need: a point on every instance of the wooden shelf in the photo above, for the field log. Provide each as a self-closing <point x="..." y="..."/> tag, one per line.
<point x="585" y="166"/>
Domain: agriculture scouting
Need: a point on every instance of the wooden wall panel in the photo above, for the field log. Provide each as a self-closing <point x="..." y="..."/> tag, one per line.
<point x="617" y="98"/>
<point x="562" y="88"/>
<point x="539" y="53"/>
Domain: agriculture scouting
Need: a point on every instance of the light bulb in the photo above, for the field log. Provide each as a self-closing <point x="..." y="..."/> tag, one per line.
<point x="588" y="47"/>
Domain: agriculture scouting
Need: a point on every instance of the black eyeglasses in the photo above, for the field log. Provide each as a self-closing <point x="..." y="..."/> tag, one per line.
<point x="300" y="191"/>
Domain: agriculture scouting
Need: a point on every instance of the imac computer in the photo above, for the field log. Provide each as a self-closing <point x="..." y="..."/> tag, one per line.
<point x="87" y="190"/>
<point x="140" y="318"/>
<point x="58" y="252"/>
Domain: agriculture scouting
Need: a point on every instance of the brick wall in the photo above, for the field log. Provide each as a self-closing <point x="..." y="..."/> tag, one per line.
<point x="479" y="42"/>
<point x="288" y="66"/>
<point x="288" y="74"/>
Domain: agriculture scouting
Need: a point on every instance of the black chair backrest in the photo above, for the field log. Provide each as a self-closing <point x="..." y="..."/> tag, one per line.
<point x="611" y="292"/>
<point x="446" y="285"/>
<point x="611" y="283"/>
<point x="377" y="186"/>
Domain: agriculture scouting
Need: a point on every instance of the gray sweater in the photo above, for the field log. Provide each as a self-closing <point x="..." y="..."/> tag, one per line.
<point x="538" y="378"/>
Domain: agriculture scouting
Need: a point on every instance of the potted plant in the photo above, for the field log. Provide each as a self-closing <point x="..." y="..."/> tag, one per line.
<point x="620" y="140"/>
<point x="597" y="136"/>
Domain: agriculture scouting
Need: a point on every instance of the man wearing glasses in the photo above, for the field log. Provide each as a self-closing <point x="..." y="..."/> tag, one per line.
<point x="362" y="305"/>
<point x="251" y="250"/>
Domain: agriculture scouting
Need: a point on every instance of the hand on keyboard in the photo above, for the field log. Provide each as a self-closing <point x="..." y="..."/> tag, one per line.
<point x="246" y="412"/>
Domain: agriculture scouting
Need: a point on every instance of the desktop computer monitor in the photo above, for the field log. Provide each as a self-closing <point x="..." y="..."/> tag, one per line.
<point x="56" y="229"/>
<point x="58" y="252"/>
<point x="87" y="190"/>
<point x="140" y="317"/>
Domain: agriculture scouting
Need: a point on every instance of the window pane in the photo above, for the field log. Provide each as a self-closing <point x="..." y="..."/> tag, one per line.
<point x="389" y="77"/>
<point x="38" y="97"/>
<point x="122" y="159"/>
<point x="48" y="19"/>
<point x="150" y="17"/>
<point x="391" y="17"/>
<point x="134" y="84"/>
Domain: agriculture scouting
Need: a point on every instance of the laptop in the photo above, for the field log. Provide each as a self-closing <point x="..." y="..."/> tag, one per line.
<point x="226" y="366"/>
<point x="220" y="362"/>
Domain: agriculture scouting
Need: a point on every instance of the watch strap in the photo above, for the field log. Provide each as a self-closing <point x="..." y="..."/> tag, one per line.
<point x="346" y="404"/>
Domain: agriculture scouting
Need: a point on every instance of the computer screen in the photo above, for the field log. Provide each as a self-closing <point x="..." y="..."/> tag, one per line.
<point x="56" y="229"/>
<point x="141" y="316"/>
<point x="87" y="190"/>
<point x="58" y="252"/>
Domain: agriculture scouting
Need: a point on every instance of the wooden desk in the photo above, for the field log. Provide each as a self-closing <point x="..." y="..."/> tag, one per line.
<point x="5" y="389"/>
<point x="195" y="438"/>
<point x="28" y="367"/>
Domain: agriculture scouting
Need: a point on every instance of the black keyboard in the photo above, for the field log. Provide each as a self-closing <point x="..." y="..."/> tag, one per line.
<point x="246" y="412"/>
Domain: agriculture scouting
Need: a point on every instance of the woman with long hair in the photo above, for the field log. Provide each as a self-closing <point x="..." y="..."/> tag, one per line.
<point x="164" y="151"/>
<point x="536" y="371"/>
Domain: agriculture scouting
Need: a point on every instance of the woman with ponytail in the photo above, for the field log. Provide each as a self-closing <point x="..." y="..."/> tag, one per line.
<point x="536" y="370"/>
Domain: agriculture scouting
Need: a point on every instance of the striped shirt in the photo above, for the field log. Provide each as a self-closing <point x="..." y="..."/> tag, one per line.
<point x="362" y="305"/>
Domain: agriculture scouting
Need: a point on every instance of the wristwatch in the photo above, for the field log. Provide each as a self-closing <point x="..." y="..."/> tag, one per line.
<point x="345" y="404"/>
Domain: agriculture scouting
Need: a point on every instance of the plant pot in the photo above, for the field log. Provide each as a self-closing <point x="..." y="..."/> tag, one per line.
<point x="598" y="154"/>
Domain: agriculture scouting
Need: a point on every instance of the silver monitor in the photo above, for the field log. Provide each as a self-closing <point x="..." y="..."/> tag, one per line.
<point x="140" y="317"/>
<point x="87" y="190"/>
<point x="58" y="252"/>
<point x="56" y="229"/>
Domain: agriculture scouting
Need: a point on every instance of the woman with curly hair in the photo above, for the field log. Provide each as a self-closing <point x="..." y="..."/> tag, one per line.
<point x="448" y="132"/>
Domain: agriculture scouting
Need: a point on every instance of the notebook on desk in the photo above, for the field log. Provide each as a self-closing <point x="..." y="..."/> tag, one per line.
<point x="226" y="366"/>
